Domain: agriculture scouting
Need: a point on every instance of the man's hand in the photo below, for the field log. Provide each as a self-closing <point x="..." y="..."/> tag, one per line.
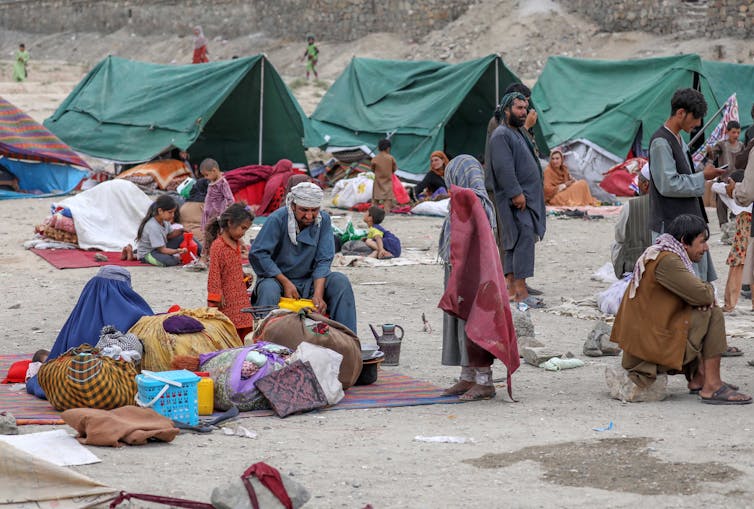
<point x="730" y="185"/>
<point x="319" y="304"/>
<point x="519" y="201"/>
<point x="710" y="172"/>
<point x="290" y="291"/>
<point x="531" y="119"/>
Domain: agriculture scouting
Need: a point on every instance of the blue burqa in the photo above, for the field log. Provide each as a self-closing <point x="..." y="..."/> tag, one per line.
<point x="107" y="299"/>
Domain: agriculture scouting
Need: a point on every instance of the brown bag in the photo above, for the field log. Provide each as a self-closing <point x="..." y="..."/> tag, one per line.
<point x="291" y="329"/>
<point x="83" y="378"/>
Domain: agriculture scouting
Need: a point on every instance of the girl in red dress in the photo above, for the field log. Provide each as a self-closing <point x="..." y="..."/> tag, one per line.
<point x="226" y="282"/>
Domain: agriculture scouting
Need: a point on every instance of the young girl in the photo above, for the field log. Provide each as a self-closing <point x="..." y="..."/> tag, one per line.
<point x="226" y="282"/>
<point x="157" y="243"/>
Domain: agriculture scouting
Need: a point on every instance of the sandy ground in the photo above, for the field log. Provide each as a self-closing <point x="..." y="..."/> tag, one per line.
<point x="542" y="449"/>
<point x="539" y="452"/>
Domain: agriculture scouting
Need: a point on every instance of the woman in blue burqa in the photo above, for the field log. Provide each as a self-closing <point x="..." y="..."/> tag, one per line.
<point x="107" y="299"/>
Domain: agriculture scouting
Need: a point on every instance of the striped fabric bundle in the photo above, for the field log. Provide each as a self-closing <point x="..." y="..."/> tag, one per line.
<point x="82" y="378"/>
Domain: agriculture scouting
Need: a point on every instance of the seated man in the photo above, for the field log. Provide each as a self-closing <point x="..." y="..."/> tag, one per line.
<point x="292" y="255"/>
<point x="669" y="322"/>
<point x="632" y="235"/>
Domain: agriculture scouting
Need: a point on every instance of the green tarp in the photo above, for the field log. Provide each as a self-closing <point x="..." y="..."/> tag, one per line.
<point x="130" y="111"/>
<point x="423" y="106"/>
<point x="727" y="79"/>
<point x="608" y="102"/>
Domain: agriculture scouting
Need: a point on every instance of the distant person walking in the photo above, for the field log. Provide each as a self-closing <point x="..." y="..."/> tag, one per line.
<point x="200" y="46"/>
<point x="19" y="65"/>
<point x="311" y="55"/>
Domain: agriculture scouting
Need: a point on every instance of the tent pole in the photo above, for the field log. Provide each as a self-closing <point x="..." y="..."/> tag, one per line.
<point x="497" y="81"/>
<point x="706" y="125"/>
<point x="261" y="110"/>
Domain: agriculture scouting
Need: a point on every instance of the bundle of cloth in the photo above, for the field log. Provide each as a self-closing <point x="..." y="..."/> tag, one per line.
<point x="58" y="226"/>
<point x="186" y="332"/>
<point x="261" y="186"/>
<point x="105" y="217"/>
<point x="165" y="174"/>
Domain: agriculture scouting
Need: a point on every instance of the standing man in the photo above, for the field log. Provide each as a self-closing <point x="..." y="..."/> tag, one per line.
<point x="517" y="183"/>
<point x="674" y="188"/>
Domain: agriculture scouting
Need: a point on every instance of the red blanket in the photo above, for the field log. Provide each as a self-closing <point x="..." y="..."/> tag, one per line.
<point x="476" y="287"/>
<point x="248" y="175"/>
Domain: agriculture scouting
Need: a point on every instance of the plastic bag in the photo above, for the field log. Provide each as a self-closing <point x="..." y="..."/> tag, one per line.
<point x="609" y="300"/>
<point x="348" y="192"/>
<point x="352" y="233"/>
<point x="184" y="188"/>
<point x="326" y="366"/>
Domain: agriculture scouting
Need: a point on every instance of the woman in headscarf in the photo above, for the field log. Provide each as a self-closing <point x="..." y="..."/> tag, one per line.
<point x="475" y="381"/>
<point x="200" y="46"/>
<point x="107" y="299"/>
<point x="435" y="177"/>
<point x="563" y="190"/>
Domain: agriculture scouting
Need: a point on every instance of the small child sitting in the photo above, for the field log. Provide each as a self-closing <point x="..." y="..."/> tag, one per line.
<point x="20" y="371"/>
<point x="382" y="243"/>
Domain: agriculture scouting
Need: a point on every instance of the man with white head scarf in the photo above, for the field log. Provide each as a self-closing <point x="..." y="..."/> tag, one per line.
<point x="292" y="255"/>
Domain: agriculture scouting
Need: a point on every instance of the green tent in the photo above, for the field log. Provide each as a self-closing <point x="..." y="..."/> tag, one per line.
<point x="612" y="103"/>
<point x="422" y="106"/>
<point x="727" y="79"/>
<point x="238" y="112"/>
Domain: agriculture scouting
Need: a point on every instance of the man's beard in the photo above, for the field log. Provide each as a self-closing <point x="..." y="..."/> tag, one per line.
<point x="516" y="122"/>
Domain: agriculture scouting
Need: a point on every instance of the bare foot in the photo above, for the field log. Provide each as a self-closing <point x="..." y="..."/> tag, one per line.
<point x="459" y="388"/>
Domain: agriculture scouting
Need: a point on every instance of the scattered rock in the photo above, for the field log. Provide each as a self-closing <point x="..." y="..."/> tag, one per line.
<point x="536" y="356"/>
<point x="234" y="495"/>
<point x="8" y="424"/>
<point x="623" y="388"/>
<point x="99" y="257"/>
<point x="598" y="341"/>
<point x="15" y="306"/>
<point x="528" y="342"/>
<point x="522" y="323"/>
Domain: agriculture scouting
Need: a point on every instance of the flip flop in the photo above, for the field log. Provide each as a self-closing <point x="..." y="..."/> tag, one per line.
<point x="533" y="302"/>
<point x="732" y="351"/>
<point x="722" y="397"/>
<point x="534" y="291"/>
<point x="732" y="386"/>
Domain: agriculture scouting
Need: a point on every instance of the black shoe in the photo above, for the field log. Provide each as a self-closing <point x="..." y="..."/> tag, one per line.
<point x="534" y="291"/>
<point x="746" y="294"/>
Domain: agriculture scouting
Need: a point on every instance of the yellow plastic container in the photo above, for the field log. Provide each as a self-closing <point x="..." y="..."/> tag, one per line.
<point x="205" y="390"/>
<point x="295" y="304"/>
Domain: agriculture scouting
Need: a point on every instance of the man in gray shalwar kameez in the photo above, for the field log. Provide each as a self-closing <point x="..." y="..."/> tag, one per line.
<point x="517" y="183"/>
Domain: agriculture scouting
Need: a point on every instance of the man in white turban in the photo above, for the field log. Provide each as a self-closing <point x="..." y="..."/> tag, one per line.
<point x="292" y="255"/>
<point x="632" y="235"/>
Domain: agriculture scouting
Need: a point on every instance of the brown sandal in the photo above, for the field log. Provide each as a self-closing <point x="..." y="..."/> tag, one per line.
<point x="461" y="387"/>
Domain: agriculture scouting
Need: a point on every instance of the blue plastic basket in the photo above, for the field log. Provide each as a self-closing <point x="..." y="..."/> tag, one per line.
<point x="170" y="393"/>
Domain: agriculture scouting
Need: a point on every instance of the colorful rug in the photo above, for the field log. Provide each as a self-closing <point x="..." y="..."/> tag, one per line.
<point x="26" y="408"/>
<point x="390" y="390"/>
<point x="79" y="259"/>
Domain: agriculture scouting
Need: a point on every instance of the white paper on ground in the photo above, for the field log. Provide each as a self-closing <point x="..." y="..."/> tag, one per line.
<point x="57" y="447"/>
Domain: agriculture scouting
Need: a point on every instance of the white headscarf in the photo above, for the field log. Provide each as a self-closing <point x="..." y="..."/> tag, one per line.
<point x="307" y="195"/>
<point x="199" y="39"/>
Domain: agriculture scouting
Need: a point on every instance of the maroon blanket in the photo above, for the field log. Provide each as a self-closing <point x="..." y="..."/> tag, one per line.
<point x="248" y="175"/>
<point x="476" y="287"/>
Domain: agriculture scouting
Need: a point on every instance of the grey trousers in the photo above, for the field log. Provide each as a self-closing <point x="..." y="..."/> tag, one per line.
<point x="520" y="259"/>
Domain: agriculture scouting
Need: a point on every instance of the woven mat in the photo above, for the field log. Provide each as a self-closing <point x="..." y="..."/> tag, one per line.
<point x="390" y="390"/>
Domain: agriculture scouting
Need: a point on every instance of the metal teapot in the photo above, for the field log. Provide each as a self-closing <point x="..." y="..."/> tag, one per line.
<point x="389" y="343"/>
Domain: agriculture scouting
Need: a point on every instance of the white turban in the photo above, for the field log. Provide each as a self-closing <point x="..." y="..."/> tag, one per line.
<point x="307" y="195"/>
